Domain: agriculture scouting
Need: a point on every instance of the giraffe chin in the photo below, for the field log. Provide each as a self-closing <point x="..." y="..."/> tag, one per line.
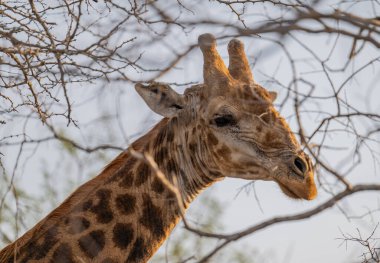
<point x="308" y="194"/>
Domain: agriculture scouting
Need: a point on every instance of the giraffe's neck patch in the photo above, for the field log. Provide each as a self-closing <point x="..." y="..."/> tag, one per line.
<point x="127" y="208"/>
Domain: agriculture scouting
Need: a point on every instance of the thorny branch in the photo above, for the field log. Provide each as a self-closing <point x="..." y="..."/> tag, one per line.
<point x="370" y="244"/>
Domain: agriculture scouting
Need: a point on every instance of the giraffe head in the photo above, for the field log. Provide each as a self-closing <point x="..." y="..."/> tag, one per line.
<point x="230" y="125"/>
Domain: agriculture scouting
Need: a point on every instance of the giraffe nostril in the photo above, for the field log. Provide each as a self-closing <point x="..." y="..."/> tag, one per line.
<point x="300" y="165"/>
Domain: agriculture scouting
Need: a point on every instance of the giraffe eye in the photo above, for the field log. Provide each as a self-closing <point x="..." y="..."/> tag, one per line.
<point x="225" y="120"/>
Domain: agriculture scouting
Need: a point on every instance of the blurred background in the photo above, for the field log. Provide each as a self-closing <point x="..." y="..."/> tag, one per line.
<point x="68" y="107"/>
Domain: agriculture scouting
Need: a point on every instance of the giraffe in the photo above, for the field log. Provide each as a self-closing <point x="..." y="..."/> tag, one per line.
<point x="225" y="127"/>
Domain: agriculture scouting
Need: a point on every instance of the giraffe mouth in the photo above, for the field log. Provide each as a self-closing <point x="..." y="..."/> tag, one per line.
<point x="306" y="191"/>
<point x="288" y="191"/>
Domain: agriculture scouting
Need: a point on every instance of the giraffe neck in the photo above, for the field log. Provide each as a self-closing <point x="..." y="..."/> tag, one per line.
<point x="122" y="215"/>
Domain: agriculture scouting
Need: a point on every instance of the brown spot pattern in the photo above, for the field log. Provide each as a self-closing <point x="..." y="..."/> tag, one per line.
<point x="124" y="170"/>
<point x="160" y="155"/>
<point x="267" y="117"/>
<point x="125" y="203"/>
<point x="63" y="254"/>
<point x="224" y="152"/>
<point x="86" y="205"/>
<point x="37" y="250"/>
<point x="152" y="217"/>
<point x="102" y="209"/>
<point x="270" y="136"/>
<point x="139" y="251"/>
<point x="92" y="243"/>
<point x="193" y="148"/>
<point x="76" y="225"/>
<point x="170" y="136"/>
<point x="127" y="180"/>
<point x="212" y="140"/>
<point x="157" y="186"/>
<point x="171" y="168"/>
<point x="160" y="138"/>
<point x="122" y="235"/>
<point x="142" y="174"/>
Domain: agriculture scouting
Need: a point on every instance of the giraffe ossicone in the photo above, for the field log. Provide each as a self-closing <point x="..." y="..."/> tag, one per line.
<point x="226" y="127"/>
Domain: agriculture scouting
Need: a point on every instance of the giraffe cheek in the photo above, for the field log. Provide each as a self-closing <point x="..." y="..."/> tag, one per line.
<point x="224" y="153"/>
<point x="211" y="139"/>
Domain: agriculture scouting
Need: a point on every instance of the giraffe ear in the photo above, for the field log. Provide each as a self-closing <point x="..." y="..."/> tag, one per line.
<point x="161" y="98"/>
<point x="272" y="95"/>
